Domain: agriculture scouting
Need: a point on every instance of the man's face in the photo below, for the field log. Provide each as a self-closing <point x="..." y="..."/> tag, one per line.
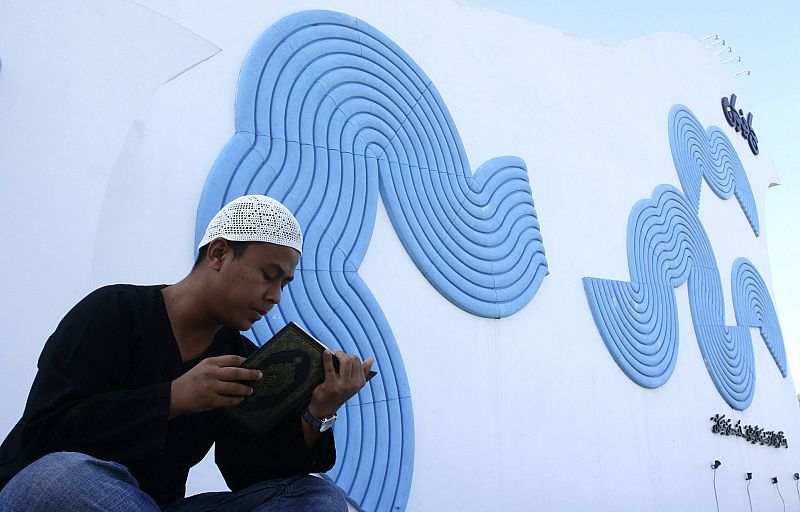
<point x="251" y="284"/>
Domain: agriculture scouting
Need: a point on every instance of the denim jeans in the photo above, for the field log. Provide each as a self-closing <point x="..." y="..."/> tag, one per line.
<point x="74" y="482"/>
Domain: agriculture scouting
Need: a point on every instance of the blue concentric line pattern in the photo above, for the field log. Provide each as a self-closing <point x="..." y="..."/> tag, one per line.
<point x="638" y="320"/>
<point x="753" y="307"/>
<point x="708" y="154"/>
<point x="667" y="246"/>
<point x="330" y="113"/>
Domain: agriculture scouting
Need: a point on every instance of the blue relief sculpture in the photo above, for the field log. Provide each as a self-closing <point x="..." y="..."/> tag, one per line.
<point x="708" y="154"/>
<point x="753" y="307"/>
<point x="667" y="246"/>
<point x="330" y="113"/>
<point x="638" y="320"/>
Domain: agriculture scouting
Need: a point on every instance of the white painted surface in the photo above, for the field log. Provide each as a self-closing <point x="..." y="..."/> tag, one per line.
<point x="103" y="155"/>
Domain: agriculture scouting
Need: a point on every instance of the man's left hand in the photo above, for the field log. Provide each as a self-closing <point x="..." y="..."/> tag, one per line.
<point x="337" y="388"/>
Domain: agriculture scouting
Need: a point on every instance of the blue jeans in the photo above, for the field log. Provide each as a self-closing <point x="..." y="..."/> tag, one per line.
<point x="74" y="482"/>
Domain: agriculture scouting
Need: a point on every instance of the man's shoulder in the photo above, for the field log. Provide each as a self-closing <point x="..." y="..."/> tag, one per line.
<point x="120" y="293"/>
<point x="113" y="302"/>
<point x="124" y="289"/>
<point x="114" y="312"/>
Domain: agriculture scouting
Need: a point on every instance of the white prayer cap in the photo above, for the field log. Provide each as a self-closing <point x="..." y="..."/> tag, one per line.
<point x="255" y="218"/>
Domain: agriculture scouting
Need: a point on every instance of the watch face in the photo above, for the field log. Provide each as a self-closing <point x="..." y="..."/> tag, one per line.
<point x="327" y="423"/>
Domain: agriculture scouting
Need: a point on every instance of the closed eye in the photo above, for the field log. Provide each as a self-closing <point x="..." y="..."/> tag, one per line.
<point x="274" y="273"/>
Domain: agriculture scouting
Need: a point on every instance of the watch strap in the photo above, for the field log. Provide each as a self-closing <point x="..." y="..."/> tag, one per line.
<point x="320" y="425"/>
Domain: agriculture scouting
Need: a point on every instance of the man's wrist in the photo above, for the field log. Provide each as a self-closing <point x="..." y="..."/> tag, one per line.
<point x="320" y="412"/>
<point x="175" y="408"/>
<point x="319" y="424"/>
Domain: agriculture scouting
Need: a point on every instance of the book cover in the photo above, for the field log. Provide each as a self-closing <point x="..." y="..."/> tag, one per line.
<point x="291" y="364"/>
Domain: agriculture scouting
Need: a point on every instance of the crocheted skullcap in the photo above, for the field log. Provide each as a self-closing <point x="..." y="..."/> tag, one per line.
<point x="255" y="218"/>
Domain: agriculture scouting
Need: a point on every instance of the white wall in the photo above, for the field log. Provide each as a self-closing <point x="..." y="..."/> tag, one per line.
<point x="112" y="113"/>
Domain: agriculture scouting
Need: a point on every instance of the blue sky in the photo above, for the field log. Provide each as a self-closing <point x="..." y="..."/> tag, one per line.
<point x="764" y="34"/>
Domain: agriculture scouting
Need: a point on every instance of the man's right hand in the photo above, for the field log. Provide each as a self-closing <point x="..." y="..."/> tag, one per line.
<point x="211" y="384"/>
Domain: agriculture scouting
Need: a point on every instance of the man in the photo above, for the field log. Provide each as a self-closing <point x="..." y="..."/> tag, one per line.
<point x="130" y="385"/>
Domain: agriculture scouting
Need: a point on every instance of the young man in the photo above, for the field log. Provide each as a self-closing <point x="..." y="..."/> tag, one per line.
<point x="129" y="387"/>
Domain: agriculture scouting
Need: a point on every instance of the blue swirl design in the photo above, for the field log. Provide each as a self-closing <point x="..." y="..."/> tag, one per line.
<point x="638" y="321"/>
<point x="668" y="245"/>
<point x="708" y="154"/>
<point x="330" y="113"/>
<point x="753" y="307"/>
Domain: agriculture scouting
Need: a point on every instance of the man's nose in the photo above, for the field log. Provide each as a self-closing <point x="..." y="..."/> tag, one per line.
<point x="272" y="293"/>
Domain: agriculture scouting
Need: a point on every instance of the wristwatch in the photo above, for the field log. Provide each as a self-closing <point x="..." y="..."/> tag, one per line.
<point x="319" y="424"/>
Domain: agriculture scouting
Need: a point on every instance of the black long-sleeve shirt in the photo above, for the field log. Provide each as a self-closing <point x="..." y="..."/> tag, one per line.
<point x="103" y="388"/>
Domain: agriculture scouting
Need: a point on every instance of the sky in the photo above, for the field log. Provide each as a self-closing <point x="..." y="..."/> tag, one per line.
<point x="764" y="34"/>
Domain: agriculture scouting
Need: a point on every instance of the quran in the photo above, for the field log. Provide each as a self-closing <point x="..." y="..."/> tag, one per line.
<point x="291" y="364"/>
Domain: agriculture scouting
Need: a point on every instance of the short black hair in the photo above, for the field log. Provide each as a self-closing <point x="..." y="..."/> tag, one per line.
<point x="238" y="249"/>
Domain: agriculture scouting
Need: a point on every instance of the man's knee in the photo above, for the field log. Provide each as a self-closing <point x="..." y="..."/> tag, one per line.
<point x="73" y="468"/>
<point x="319" y="494"/>
<point x="69" y="478"/>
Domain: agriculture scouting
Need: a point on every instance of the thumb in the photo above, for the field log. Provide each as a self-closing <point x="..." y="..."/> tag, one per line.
<point x="366" y="365"/>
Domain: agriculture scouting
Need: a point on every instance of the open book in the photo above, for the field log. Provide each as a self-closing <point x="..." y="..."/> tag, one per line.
<point x="291" y="364"/>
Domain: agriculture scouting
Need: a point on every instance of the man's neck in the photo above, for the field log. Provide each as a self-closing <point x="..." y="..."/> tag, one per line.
<point x="192" y="326"/>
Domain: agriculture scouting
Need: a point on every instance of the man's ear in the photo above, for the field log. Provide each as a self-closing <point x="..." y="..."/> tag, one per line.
<point x="217" y="253"/>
